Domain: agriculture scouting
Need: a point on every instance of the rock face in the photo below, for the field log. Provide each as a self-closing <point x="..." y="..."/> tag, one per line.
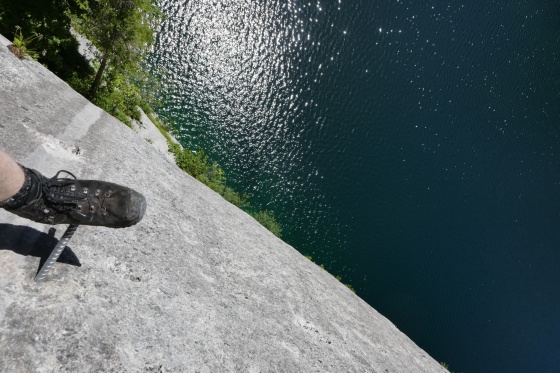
<point x="197" y="286"/>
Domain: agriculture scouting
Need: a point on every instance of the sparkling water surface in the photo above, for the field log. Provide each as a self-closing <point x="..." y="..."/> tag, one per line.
<point x="410" y="146"/>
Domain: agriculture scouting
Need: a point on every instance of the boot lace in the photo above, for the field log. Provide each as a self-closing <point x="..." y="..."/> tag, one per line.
<point x="55" y="192"/>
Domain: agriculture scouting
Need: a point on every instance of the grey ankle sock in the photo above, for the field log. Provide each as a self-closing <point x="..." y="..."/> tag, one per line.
<point x="20" y="197"/>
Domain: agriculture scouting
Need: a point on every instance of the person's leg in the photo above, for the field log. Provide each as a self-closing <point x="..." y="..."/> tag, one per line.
<point x="66" y="200"/>
<point x="11" y="177"/>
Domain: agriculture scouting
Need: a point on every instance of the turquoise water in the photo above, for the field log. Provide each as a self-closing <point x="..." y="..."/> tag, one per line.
<point x="410" y="146"/>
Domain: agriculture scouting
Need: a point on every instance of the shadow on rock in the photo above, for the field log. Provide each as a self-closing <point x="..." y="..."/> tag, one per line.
<point x="31" y="242"/>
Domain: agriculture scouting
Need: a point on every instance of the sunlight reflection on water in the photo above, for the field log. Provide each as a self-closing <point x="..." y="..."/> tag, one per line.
<point x="236" y="89"/>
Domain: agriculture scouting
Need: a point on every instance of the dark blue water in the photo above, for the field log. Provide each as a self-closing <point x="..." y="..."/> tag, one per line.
<point x="411" y="146"/>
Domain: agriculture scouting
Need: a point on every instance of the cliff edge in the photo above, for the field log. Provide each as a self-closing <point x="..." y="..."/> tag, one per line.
<point x="197" y="286"/>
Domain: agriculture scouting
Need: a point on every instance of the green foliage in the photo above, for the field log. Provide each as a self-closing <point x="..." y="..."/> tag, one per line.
<point x="123" y="118"/>
<point x="122" y="32"/>
<point x="21" y="45"/>
<point x="78" y="83"/>
<point x="58" y="48"/>
<point x="195" y="164"/>
<point x="120" y="98"/>
<point x="267" y="220"/>
<point x="215" y="178"/>
<point x="200" y="167"/>
<point x="121" y="29"/>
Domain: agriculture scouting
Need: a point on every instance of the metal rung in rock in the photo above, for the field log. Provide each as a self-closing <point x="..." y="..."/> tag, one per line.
<point x="56" y="253"/>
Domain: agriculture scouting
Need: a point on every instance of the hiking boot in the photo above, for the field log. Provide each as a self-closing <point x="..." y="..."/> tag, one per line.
<point x="70" y="201"/>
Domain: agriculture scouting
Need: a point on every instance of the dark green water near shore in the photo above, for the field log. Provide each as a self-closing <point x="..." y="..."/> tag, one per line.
<point x="413" y="147"/>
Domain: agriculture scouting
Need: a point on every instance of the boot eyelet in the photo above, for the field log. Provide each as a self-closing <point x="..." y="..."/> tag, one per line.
<point x="92" y="208"/>
<point x="85" y="191"/>
<point x="97" y="192"/>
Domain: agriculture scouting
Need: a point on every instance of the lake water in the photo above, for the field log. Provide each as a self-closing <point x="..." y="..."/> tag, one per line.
<point x="412" y="147"/>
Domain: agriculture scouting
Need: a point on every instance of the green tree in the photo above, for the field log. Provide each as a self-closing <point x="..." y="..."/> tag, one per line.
<point x="122" y="31"/>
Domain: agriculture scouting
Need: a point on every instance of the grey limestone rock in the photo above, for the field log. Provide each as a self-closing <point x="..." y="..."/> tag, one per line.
<point x="197" y="286"/>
